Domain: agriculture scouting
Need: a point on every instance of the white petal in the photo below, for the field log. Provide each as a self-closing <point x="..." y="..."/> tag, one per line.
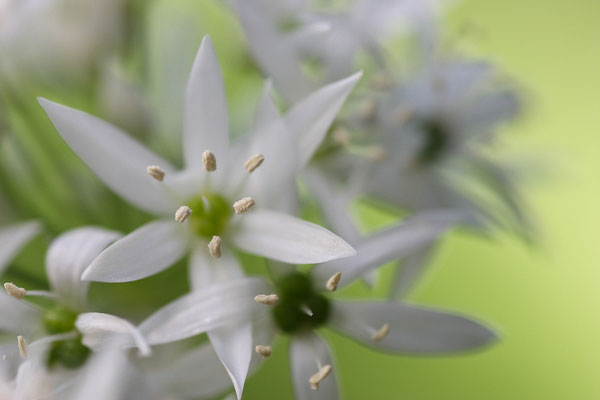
<point x="267" y="109"/>
<point x="18" y="316"/>
<point x="306" y="352"/>
<point x="411" y="329"/>
<point x="309" y="120"/>
<point x="13" y="238"/>
<point x="144" y="252"/>
<point x="98" y="329"/>
<point x="69" y="255"/>
<point x="204" y="310"/>
<point x="233" y="345"/>
<point x="206" y="122"/>
<point x="288" y="239"/>
<point x="205" y="270"/>
<point x="118" y="160"/>
<point x="410" y="270"/>
<point x="390" y="244"/>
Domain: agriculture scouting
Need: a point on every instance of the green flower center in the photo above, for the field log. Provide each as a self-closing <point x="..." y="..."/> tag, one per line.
<point x="210" y="215"/>
<point x="436" y="140"/>
<point x="70" y="353"/>
<point x="298" y="298"/>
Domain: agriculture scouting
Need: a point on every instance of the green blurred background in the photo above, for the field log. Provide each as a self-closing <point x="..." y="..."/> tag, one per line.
<point x="544" y="299"/>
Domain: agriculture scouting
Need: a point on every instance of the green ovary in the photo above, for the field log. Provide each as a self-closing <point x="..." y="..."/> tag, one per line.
<point x="436" y="140"/>
<point x="70" y="353"/>
<point x="210" y="215"/>
<point x="296" y="296"/>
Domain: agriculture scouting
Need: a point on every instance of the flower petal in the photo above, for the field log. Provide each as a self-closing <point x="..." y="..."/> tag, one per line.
<point x="309" y="120"/>
<point x="69" y="255"/>
<point x="144" y="252"/>
<point x="13" y="238"/>
<point x="390" y="244"/>
<point x="205" y="270"/>
<point x="288" y="239"/>
<point x="18" y="316"/>
<point x="412" y="329"/>
<point x="98" y="329"/>
<point x="409" y="272"/>
<point x="307" y="354"/>
<point x="206" y="122"/>
<point x="205" y="310"/>
<point x="118" y="160"/>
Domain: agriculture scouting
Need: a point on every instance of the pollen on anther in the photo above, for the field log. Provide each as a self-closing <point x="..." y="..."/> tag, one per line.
<point x="182" y="213"/>
<point x="332" y="283"/>
<point x="214" y="246"/>
<point x="381" y="332"/>
<point x="243" y="205"/>
<point x="209" y="161"/>
<point x="264" y="351"/>
<point x="267" y="299"/>
<point x="22" y="344"/>
<point x="254" y="162"/>
<point x="319" y="376"/>
<point x="14" y="290"/>
<point x="156" y="172"/>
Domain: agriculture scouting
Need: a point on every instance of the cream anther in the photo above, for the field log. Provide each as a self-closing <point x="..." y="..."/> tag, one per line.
<point x="254" y="162"/>
<point x="267" y="299"/>
<point x="243" y="205"/>
<point x="332" y="283"/>
<point x="182" y="213"/>
<point x="22" y="344"/>
<point x="156" y="172"/>
<point x="209" y="161"/>
<point x="14" y="290"/>
<point x="264" y="351"/>
<point x="214" y="246"/>
<point x="319" y="376"/>
<point x="381" y="332"/>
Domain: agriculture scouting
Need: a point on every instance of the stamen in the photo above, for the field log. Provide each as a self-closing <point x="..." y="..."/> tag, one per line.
<point x="377" y="153"/>
<point x="214" y="246"/>
<point x="306" y="310"/>
<point x="403" y="114"/>
<point x="368" y="110"/>
<point x="182" y="213"/>
<point x="264" y="351"/>
<point x="254" y="162"/>
<point x="267" y="299"/>
<point x="319" y="376"/>
<point x="382" y="81"/>
<point x="341" y="136"/>
<point x="156" y="172"/>
<point x="209" y="161"/>
<point x="332" y="283"/>
<point x="381" y="332"/>
<point x="22" y="344"/>
<point x="14" y="290"/>
<point x="243" y="205"/>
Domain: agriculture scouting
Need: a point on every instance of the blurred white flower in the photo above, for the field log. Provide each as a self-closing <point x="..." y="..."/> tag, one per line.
<point x="13" y="238"/>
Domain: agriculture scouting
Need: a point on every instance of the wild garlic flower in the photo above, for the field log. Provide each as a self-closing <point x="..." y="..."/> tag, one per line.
<point x="13" y="238"/>
<point x="226" y="196"/>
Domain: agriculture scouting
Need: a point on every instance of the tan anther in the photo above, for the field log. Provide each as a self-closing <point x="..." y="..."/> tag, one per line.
<point x="382" y="81"/>
<point x="319" y="376"/>
<point x="264" y="351"/>
<point x="15" y="291"/>
<point x="182" y="213"/>
<point x="332" y="283"/>
<point x="368" y="110"/>
<point x="377" y="153"/>
<point x="22" y="344"/>
<point x="254" y="162"/>
<point x="243" y="205"/>
<point x="156" y="172"/>
<point x="341" y="136"/>
<point x="267" y="299"/>
<point x="209" y="161"/>
<point x="381" y="332"/>
<point x="403" y="114"/>
<point x="214" y="246"/>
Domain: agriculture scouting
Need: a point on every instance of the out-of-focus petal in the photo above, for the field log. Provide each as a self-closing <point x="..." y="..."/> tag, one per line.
<point x="288" y="239"/>
<point x="118" y="160"/>
<point x="308" y="353"/>
<point x="144" y="252"/>
<point x="206" y="121"/>
<point x="204" y="310"/>
<point x="13" y="238"/>
<point x="411" y="329"/>
<point x="18" y="316"/>
<point x="410" y="270"/>
<point x="98" y="329"/>
<point x="69" y="255"/>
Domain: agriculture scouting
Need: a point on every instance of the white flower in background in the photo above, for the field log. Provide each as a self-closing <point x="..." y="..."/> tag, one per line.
<point x="13" y="238"/>
<point x="225" y="196"/>
<point x="59" y="36"/>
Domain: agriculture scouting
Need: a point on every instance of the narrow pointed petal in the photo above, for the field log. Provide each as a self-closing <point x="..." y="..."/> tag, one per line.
<point x="118" y="160"/>
<point x="233" y="345"/>
<point x="68" y="256"/>
<point x="18" y="317"/>
<point x="411" y="329"/>
<point x="13" y="238"/>
<point x="206" y="121"/>
<point x="309" y="120"/>
<point x="390" y="244"/>
<point x="204" y="310"/>
<point x="288" y="239"/>
<point x="98" y="329"/>
<point x="305" y="351"/>
<point x="144" y="252"/>
<point x="205" y="270"/>
<point x="410" y="270"/>
<point x="267" y="109"/>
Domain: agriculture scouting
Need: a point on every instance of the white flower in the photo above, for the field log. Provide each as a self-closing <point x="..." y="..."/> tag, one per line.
<point x="13" y="238"/>
<point x="198" y="203"/>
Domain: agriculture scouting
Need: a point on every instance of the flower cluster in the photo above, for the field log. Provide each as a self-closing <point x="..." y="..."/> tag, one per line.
<point x="171" y="275"/>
